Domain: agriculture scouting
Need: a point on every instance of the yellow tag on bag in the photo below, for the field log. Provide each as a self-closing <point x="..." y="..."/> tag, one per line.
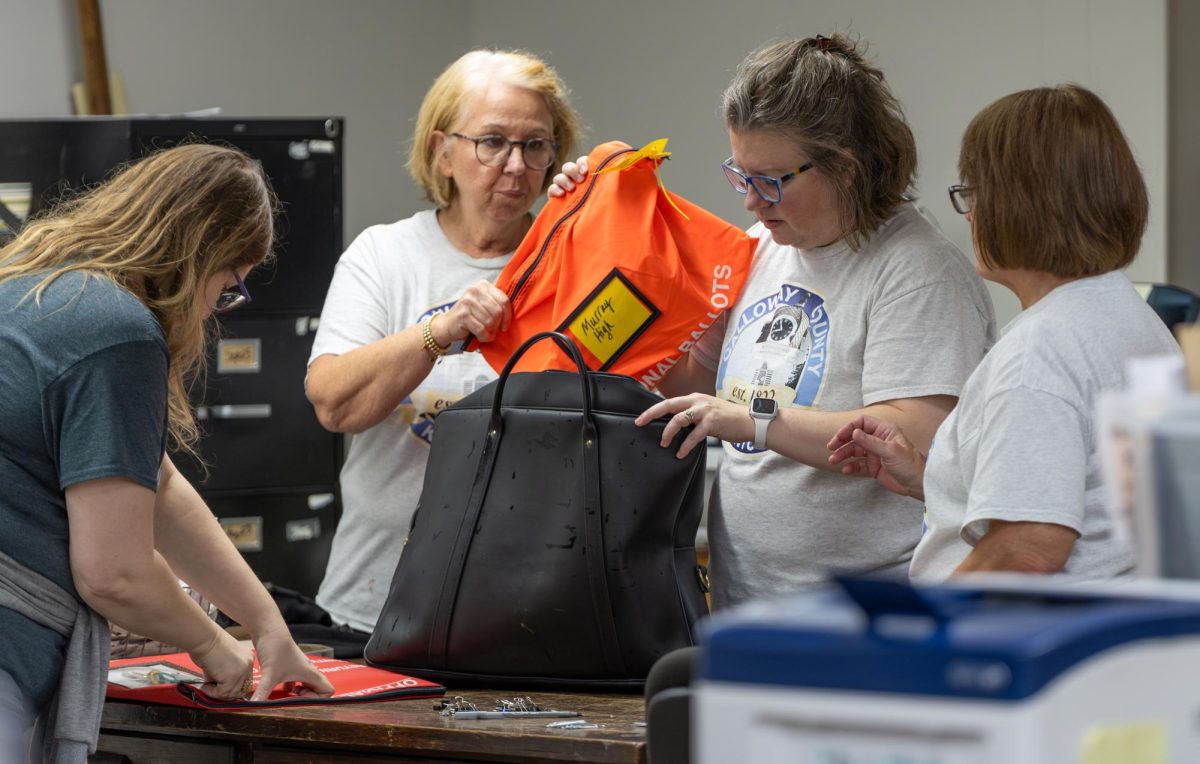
<point x="657" y="151"/>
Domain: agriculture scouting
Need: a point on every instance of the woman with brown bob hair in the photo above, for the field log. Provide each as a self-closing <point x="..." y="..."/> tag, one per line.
<point x="1057" y="207"/>
<point x="855" y="305"/>
<point x="491" y="132"/>
<point x="105" y="303"/>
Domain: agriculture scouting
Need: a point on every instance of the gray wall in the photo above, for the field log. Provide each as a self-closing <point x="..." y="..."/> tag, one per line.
<point x="367" y="60"/>
<point x="639" y="69"/>
<point x="39" y="56"/>
<point x="1183" y="266"/>
<point x="642" y="70"/>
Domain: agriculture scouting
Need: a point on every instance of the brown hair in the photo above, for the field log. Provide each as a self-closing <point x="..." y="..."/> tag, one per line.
<point x="1055" y="185"/>
<point x="447" y="98"/>
<point x="822" y="94"/>
<point x="160" y="228"/>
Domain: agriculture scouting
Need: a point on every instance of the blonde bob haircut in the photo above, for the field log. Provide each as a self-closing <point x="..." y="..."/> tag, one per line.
<point x="447" y="100"/>
<point x="161" y="228"/>
<point x="1054" y="184"/>
<point x="822" y="94"/>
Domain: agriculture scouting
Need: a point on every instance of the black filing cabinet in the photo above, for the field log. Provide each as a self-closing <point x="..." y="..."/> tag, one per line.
<point x="271" y="469"/>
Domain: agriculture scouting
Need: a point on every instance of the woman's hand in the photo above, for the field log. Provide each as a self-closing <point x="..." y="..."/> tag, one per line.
<point x="282" y="662"/>
<point x="878" y="449"/>
<point x="565" y="181"/>
<point x="227" y="665"/>
<point x="482" y="311"/>
<point x="706" y="416"/>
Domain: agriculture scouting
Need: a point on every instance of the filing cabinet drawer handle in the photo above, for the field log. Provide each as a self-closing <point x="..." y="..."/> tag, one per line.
<point x="240" y="411"/>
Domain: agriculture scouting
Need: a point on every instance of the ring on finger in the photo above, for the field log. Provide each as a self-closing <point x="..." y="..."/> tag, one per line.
<point x="687" y="414"/>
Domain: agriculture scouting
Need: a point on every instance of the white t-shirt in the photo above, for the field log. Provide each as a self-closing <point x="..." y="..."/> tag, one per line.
<point x="1021" y="446"/>
<point x="391" y="278"/>
<point x="834" y="330"/>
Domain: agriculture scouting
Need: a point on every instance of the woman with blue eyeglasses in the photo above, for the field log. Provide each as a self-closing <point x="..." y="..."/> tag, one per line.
<point x="855" y="305"/>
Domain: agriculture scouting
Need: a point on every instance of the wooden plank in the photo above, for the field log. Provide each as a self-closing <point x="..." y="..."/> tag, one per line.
<point x="95" y="66"/>
<point x="148" y="750"/>
<point x="266" y="755"/>
<point x="412" y="728"/>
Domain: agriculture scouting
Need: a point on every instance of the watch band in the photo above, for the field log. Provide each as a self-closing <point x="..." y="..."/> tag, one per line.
<point x="760" y="432"/>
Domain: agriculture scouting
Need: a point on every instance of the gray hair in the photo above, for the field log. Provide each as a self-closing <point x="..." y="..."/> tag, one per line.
<point x="822" y="94"/>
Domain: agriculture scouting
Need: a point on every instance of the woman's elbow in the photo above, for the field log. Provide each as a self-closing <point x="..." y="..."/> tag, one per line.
<point x="333" y="413"/>
<point x="341" y="419"/>
<point x="329" y="417"/>
<point x="104" y="587"/>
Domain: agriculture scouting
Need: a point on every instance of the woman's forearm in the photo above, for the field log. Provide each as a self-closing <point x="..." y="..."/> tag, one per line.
<point x="153" y="605"/>
<point x="197" y="549"/>
<point x="804" y="434"/>
<point x="357" y="390"/>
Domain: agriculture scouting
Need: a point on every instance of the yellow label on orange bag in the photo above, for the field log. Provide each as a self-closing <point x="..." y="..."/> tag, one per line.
<point x="611" y="318"/>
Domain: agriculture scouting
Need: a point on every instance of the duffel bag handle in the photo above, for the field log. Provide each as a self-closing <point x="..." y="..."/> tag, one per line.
<point x="610" y="641"/>
<point x="568" y="347"/>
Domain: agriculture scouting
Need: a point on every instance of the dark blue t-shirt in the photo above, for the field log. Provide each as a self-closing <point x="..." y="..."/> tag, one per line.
<point x="83" y="396"/>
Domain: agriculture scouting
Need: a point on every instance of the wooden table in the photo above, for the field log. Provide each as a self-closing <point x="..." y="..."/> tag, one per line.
<point x="403" y="730"/>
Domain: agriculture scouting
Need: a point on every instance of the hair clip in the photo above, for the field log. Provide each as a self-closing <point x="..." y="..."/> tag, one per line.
<point x="823" y="42"/>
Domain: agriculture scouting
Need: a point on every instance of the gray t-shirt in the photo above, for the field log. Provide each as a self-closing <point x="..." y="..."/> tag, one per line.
<point x="1021" y="444"/>
<point x="83" y="396"/>
<point x="390" y="278"/>
<point x="834" y="330"/>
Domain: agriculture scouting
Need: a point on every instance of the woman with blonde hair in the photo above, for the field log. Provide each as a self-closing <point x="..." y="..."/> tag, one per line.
<point x="490" y="133"/>
<point x="105" y="303"/>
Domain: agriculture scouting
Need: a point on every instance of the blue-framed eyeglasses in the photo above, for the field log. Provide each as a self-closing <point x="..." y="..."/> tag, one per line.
<point x="769" y="189"/>
<point x="232" y="298"/>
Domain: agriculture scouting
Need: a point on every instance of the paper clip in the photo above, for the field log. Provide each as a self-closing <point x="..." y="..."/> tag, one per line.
<point x="513" y="714"/>
<point x="517" y="704"/>
<point x="456" y="706"/>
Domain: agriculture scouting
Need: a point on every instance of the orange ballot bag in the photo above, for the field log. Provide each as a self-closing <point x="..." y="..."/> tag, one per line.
<point x="633" y="274"/>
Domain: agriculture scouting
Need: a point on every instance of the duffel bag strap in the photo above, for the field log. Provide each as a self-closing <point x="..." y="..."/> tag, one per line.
<point x="593" y="516"/>
<point x="439" y="635"/>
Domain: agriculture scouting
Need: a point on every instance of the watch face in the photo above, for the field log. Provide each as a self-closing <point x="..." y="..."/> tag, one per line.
<point x="762" y="406"/>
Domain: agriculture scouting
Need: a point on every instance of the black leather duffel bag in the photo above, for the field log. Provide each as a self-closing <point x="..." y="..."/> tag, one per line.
<point x="554" y="542"/>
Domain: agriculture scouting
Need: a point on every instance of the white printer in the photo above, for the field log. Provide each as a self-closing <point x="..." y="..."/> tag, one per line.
<point x="875" y="672"/>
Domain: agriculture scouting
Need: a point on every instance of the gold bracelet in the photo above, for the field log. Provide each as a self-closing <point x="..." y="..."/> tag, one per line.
<point x="431" y="345"/>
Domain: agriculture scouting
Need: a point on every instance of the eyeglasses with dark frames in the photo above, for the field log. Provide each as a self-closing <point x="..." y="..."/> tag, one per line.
<point x="232" y="298"/>
<point x="963" y="198"/>
<point x="493" y="150"/>
<point x="769" y="189"/>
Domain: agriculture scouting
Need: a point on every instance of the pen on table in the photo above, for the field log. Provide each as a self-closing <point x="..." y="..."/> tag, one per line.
<point x="514" y="714"/>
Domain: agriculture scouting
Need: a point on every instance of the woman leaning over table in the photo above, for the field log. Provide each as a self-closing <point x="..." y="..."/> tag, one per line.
<point x="105" y="303"/>
<point x="1057" y="207"/>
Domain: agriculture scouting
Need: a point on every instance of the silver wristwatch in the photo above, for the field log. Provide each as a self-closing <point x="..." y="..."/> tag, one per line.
<point x="762" y="411"/>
